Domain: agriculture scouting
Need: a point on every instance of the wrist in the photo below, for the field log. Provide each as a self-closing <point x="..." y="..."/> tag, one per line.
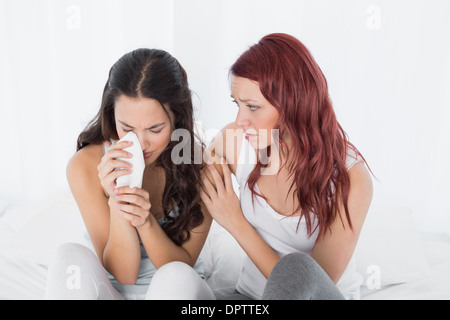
<point x="148" y="223"/>
<point x="112" y="203"/>
<point x="238" y="225"/>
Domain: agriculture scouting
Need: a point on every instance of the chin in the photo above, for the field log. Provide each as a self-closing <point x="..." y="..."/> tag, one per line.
<point x="258" y="145"/>
<point x="151" y="160"/>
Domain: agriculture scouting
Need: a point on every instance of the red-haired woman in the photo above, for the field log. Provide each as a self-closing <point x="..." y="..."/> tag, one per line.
<point x="304" y="188"/>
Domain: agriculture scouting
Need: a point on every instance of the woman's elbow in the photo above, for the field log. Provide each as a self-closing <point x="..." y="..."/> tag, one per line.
<point x="125" y="279"/>
<point x="124" y="276"/>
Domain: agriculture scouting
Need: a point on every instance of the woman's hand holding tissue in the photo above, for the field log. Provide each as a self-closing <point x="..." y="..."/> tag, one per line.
<point x="121" y="173"/>
<point x="111" y="167"/>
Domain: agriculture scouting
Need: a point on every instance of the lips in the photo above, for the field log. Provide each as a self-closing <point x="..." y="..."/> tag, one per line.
<point x="147" y="155"/>
<point x="250" y="136"/>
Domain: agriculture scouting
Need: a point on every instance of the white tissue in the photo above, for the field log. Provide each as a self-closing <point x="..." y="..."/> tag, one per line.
<point x="135" y="178"/>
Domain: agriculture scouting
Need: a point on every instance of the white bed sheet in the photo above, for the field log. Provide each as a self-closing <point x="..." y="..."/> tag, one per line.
<point x="19" y="279"/>
<point x="23" y="267"/>
<point x="435" y="286"/>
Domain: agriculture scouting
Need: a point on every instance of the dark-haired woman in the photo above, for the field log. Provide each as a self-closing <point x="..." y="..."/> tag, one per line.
<point x="148" y="239"/>
<point x="304" y="188"/>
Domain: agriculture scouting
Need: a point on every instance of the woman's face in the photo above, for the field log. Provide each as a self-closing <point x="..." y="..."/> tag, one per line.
<point x="148" y="120"/>
<point x="256" y="116"/>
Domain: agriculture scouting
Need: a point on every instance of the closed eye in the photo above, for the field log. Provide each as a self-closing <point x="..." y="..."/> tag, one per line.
<point x="154" y="131"/>
<point x="157" y="128"/>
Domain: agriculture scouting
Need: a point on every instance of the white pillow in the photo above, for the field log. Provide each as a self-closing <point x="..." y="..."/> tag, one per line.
<point x="390" y="248"/>
<point x="55" y="222"/>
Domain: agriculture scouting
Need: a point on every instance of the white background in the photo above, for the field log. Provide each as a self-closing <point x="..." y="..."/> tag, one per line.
<point x="387" y="64"/>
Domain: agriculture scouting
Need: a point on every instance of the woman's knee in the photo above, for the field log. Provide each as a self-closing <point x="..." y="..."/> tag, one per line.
<point x="174" y="272"/>
<point x="178" y="280"/>
<point x="298" y="261"/>
<point x="299" y="276"/>
<point x="70" y="261"/>
<point x="72" y="254"/>
<point x="76" y="273"/>
<point x="74" y="249"/>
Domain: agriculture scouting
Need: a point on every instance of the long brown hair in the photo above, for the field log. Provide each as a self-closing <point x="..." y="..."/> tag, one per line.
<point x="155" y="74"/>
<point x="290" y="79"/>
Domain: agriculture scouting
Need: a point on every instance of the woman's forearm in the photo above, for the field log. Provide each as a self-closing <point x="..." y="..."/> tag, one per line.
<point x="122" y="255"/>
<point x="159" y="247"/>
<point x="261" y="254"/>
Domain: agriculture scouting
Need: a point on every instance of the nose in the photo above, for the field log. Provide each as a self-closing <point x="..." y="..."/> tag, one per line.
<point x="241" y="119"/>
<point x="143" y="141"/>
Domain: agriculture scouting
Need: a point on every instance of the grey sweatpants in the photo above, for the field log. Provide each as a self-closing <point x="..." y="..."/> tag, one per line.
<point x="297" y="276"/>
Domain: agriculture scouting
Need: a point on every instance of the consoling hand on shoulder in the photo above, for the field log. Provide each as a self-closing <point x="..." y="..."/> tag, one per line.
<point x="220" y="198"/>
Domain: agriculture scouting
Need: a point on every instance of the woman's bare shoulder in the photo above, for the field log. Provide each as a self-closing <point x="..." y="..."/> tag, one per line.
<point x="86" y="157"/>
<point x="82" y="166"/>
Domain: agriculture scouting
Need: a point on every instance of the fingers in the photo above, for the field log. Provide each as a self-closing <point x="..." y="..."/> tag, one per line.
<point x="135" y="220"/>
<point x="133" y="204"/>
<point x="121" y="145"/>
<point x="218" y="181"/>
<point x="132" y="209"/>
<point x="116" y="154"/>
<point x="110" y="161"/>
<point x="134" y="200"/>
<point x="116" y="151"/>
<point x="226" y="174"/>
<point x="113" y="165"/>
<point x="207" y="187"/>
<point x="107" y="143"/>
<point x="108" y="179"/>
<point x="222" y="184"/>
<point x="128" y="190"/>
<point x="206" y="199"/>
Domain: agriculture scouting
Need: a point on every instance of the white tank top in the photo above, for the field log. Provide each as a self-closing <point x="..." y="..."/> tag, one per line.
<point x="280" y="232"/>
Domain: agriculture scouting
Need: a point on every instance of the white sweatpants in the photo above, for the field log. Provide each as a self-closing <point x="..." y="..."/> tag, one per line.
<point x="77" y="274"/>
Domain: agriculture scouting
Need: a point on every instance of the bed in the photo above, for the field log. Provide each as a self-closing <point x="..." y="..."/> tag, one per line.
<point x="394" y="259"/>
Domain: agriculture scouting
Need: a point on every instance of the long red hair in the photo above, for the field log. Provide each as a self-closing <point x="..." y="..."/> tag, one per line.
<point x="291" y="81"/>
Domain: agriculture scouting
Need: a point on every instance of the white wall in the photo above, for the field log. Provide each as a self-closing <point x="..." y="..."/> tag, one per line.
<point x="387" y="65"/>
<point x="55" y="57"/>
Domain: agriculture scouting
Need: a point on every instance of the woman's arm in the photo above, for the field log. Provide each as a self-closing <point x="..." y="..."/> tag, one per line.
<point x="255" y="247"/>
<point x="222" y="203"/>
<point x="134" y="205"/>
<point x="334" y="251"/>
<point x="114" y="240"/>
<point x="224" y="206"/>
<point x="162" y="250"/>
<point x="122" y="253"/>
